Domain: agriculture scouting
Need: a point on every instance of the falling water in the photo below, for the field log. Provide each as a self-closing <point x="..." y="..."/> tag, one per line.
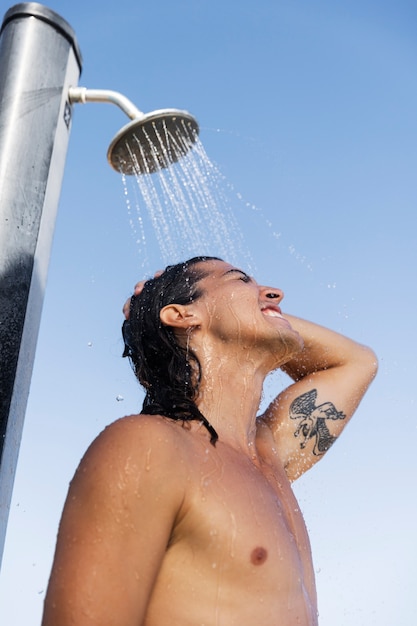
<point x="184" y="201"/>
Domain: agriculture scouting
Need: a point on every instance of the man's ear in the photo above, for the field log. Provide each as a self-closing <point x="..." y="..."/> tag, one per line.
<point x="178" y="316"/>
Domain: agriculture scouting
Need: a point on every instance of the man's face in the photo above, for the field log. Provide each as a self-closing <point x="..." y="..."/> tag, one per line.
<point x="235" y="310"/>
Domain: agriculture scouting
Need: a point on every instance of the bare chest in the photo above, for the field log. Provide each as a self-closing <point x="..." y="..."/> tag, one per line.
<point x="243" y="517"/>
<point x="239" y="553"/>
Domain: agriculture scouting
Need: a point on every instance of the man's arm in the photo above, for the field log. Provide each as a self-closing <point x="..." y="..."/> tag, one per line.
<point x="331" y="374"/>
<point x="116" y="525"/>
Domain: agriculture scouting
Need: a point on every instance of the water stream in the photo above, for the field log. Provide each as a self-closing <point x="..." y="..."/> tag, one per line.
<point x="186" y="207"/>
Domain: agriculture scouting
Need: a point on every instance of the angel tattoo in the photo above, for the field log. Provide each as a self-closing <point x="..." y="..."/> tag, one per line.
<point x="313" y="421"/>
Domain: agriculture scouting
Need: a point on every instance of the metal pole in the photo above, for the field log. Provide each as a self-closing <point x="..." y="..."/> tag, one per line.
<point x="39" y="62"/>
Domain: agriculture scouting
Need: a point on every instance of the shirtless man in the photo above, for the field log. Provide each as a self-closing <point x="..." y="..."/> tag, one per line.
<point x="184" y="515"/>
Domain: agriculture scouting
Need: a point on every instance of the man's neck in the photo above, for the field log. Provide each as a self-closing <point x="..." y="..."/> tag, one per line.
<point x="229" y="397"/>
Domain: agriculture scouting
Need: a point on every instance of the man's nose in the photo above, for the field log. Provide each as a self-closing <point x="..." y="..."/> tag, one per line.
<point x="272" y="293"/>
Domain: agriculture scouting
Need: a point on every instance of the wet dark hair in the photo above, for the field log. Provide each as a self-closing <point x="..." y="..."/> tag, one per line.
<point x="169" y="372"/>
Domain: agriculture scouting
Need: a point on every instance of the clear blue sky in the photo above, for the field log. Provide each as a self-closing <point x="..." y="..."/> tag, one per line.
<point x="309" y="110"/>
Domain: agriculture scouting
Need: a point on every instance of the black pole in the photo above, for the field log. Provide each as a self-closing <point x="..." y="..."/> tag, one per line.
<point x="39" y="61"/>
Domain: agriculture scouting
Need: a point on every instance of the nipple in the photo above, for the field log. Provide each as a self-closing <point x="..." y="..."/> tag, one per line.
<point x="258" y="555"/>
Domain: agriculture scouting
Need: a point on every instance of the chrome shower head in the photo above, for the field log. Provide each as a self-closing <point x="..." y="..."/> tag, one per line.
<point x="153" y="142"/>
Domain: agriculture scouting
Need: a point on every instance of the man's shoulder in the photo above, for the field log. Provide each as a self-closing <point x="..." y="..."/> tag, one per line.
<point x="132" y="446"/>
<point x="141" y="430"/>
<point x="145" y="426"/>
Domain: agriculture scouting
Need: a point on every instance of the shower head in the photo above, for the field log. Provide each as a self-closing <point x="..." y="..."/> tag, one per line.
<point x="153" y="142"/>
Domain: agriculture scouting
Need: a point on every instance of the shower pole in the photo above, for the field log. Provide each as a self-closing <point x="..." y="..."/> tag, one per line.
<point x="39" y="62"/>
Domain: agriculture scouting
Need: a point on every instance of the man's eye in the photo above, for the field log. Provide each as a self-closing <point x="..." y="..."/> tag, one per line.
<point x="245" y="278"/>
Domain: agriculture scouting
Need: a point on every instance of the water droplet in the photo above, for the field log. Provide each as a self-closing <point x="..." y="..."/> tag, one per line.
<point x="119" y="398"/>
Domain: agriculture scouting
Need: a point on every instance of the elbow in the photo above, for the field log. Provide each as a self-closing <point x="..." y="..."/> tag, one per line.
<point x="369" y="362"/>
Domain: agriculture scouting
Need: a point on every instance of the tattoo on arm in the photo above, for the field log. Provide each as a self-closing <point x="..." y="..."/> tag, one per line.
<point x="313" y="421"/>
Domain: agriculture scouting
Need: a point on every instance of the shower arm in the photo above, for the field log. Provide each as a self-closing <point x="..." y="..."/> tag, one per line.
<point x="160" y="137"/>
<point x="82" y="95"/>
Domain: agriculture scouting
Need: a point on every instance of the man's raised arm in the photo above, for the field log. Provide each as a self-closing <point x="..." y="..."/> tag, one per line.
<point x="331" y="374"/>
